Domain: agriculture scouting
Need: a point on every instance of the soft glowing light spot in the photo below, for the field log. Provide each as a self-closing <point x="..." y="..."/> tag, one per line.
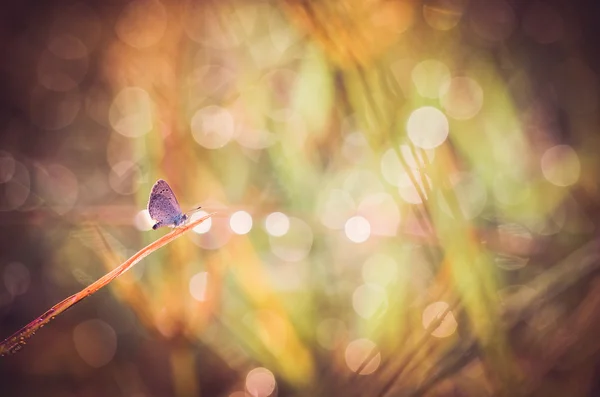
<point x="205" y="226"/>
<point x="382" y="213"/>
<point x="407" y="189"/>
<point x="543" y="23"/>
<point x="471" y="195"/>
<point x="427" y="127"/>
<point x="461" y="97"/>
<point x="380" y="269"/>
<point x="16" y="278"/>
<point x="80" y="21"/>
<point x="357" y="356"/>
<point x="428" y="76"/>
<point x="214" y="232"/>
<point x="260" y="382"/>
<point x="131" y="112"/>
<point x="277" y="224"/>
<point x="296" y="244"/>
<point x="210" y="26"/>
<point x="17" y="189"/>
<point x="142" y="221"/>
<point x="331" y="332"/>
<point x="560" y="165"/>
<point x="357" y="229"/>
<point x="125" y="177"/>
<point x="492" y="20"/>
<point x="197" y="287"/>
<point x="335" y="209"/>
<point x="393" y="171"/>
<point x="212" y="127"/>
<point x="64" y="65"/>
<point x="212" y="81"/>
<point x="391" y="168"/>
<point x="369" y="299"/>
<point x="240" y="222"/>
<point x="96" y="342"/>
<point x="53" y="110"/>
<point x="59" y="188"/>
<point x="7" y="166"/>
<point x="67" y="47"/>
<point x="142" y="23"/>
<point x="432" y="313"/>
<point x="443" y="14"/>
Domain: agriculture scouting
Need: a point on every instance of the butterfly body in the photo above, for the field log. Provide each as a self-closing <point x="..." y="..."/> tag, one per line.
<point x="163" y="206"/>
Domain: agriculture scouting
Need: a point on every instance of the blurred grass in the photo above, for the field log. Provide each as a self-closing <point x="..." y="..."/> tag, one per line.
<point x="305" y="108"/>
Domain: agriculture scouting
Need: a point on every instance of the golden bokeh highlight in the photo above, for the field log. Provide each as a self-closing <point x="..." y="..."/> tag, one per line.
<point x="427" y="127"/>
<point x="359" y="356"/>
<point x="428" y="76"/>
<point x="461" y="97"/>
<point x="95" y="342"/>
<point x="433" y="312"/>
<point x="560" y="165"/>
<point x="260" y="382"/>
<point x="131" y="112"/>
<point x="142" y="23"/>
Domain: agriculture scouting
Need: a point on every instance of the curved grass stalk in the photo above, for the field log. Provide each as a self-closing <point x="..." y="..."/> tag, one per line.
<point x="15" y="342"/>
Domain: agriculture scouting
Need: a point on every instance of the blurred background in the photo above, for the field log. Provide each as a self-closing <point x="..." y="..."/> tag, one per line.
<point x="407" y="196"/>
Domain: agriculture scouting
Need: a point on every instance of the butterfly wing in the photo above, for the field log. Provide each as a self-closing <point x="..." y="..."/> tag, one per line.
<point x="162" y="205"/>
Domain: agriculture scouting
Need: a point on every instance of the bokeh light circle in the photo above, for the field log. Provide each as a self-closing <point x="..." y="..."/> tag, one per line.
<point x="131" y="112"/>
<point x="16" y="278"/>
<point x="357" y="352"/>
<point x="7" y="166"/>
<point x="380" y="269"/>
<point x="260" y="382"/>
<point x="492" y="20"/>
<point x="277" y="224"/>
<point x="560" y="165"/>
<point x="54" y="110"/>
<point x="296" y="244"/>
<point x="59" y="188"/>
<point x="198" y="285"/>
<point x="432" y="313"/>
<point x="369" y="300"/>
<point x="17" y="188"/>
<point x="205" y="226"/>
<point x="428" y="76"/>
<point x="240" y="222"/>
<point x="212" y="127"/>
<point x="461" y="97"/>
<point x="142" y="23"/>
<point x="96" y="342"/>
<point x="427" y="127"/>
<point x="143" y="221"/>
<point x="357" y="229"/>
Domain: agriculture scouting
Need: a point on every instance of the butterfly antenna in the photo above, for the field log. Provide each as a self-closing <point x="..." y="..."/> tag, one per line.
<point x="190" y="212"/>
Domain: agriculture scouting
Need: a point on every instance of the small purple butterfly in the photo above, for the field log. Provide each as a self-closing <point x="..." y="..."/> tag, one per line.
<point x="164" y="208"/>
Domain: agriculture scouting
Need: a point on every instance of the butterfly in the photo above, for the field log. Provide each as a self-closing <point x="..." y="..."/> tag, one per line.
<point x="164" y="208"/>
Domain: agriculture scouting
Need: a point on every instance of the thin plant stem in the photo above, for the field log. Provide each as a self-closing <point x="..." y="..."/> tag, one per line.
<point x="15" y="342"/>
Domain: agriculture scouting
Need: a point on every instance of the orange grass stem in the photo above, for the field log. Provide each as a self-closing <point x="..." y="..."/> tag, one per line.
<point x="15" y="342"/>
